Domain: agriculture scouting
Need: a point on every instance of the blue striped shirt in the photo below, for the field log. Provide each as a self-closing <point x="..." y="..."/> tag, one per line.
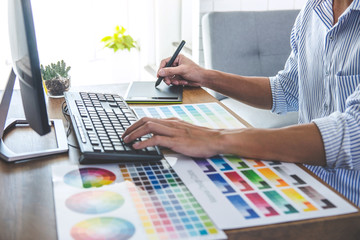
<point x="321" y="80"/>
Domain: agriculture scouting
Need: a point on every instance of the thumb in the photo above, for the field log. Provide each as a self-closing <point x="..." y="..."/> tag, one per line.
<point x="169" y="71"/>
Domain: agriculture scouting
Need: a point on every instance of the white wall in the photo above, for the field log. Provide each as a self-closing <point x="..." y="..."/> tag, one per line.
<point x="155" y="23"/>
<point x="72" y="30"/>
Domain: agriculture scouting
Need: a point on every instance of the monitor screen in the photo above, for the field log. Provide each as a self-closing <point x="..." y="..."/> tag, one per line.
<point x="26" y="64"/>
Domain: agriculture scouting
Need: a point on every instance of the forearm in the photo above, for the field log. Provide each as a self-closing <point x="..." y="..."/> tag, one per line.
<point x="298" y="144"/>
<point x="254" y="91"/>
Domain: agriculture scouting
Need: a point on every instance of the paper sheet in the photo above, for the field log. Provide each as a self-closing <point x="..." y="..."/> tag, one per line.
<point x="127" y="201"/>
<point x="238" y="193"/>
<point x="211" y="115"/>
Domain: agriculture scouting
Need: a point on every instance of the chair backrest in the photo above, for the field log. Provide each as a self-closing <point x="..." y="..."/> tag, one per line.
<point x="247" y="43"/>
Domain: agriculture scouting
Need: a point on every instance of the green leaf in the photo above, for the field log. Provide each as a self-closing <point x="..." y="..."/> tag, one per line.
<point x="107" y="38"/>
<point x="123" y="30"/>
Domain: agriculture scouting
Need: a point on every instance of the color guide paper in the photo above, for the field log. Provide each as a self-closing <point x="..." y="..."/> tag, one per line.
<point x="239" y="192"/>
<point x="210" y="115"/>
<point x="127" y="201"/>
<point x="165" y="205"/>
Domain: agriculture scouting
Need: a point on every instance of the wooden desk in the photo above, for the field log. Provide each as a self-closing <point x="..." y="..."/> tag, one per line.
<point x="27" y="206"/>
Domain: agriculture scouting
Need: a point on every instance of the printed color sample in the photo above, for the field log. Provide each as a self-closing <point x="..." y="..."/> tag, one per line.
<point x="259" y="178"/>
<point x="89" y="177"/>
<point x="109" y="228"/>
<point x="166" y="207"/>
<point x="94" y="202"/>
<point x="205" y="114"/>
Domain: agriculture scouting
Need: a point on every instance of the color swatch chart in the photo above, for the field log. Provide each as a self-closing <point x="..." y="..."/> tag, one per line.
<point x="210" y="115"/>
<point x="127" y="201"/>
<point x="166" y="207"/>
<point x="239" y="192"/>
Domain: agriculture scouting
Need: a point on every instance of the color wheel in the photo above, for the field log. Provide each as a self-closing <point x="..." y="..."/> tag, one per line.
<point x="89" y="177"/>
<point x="109" y="228"/>
<point x="94" y="202"/>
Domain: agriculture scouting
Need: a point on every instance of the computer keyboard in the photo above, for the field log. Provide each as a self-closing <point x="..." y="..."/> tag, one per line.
<point x="99" y="120"/>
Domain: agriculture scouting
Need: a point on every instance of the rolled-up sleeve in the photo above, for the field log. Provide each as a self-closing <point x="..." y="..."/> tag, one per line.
<point x="341" y="135"/>
<point x="284" y="86"/>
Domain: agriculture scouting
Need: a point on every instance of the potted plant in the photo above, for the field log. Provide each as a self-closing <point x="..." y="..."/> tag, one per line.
<point x="56" y="78"/>
<point x="125" y="66"/>
<point x="120" y="41"/>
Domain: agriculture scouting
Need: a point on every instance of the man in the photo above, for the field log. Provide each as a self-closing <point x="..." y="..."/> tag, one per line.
<point x="321" y="79"/>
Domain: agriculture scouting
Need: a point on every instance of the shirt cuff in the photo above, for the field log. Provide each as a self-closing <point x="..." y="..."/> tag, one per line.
<point x="332" y="136"/>
<point x="279" y="105"/>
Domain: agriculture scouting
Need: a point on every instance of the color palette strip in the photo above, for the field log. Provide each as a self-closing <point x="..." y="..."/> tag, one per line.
<point x="299" y="199"/>
<point x="317" y="197"/>
<point x="243" y="207"/>
<point x="273" y="177"/>
<point x="205" y="114"/>
<point x="164" y="204"/>
<point x="280" y="202"/>
<point x="238" y="181"/>
<point x="214" y="117"/>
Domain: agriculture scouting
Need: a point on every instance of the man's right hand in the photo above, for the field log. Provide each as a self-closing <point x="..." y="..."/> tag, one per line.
<point x="182" y="72"/>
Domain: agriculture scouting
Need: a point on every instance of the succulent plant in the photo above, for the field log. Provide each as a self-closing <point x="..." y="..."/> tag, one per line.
<point x="56" y="78"/>
<point x="55" y="70"/>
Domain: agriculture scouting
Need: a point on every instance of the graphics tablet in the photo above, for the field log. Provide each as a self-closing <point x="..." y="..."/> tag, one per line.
<point x="145" y="92"/>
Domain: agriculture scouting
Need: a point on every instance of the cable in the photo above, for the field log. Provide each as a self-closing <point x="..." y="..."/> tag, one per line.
<point x="73" y="146"/>
<point x="66" y="115"/>
<point x="65" y="112"/>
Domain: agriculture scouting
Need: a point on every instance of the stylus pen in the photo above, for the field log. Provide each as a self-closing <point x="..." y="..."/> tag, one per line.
<point x="170" y="63"/>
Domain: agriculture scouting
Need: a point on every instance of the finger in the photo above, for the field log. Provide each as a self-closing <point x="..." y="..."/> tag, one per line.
<point x="178" y="59"/>
<point x="172" y="143"/>
<point x="164" y="62"/>
<point x="167" y="81"/>
<point x="163" y="141"/>
<point x="136" y="125"/>
<point x="162" y="65"/>
<point x="183" y="82"/>
<point x="144" y="120"/>
<point x="169" y="72"/>
<point x="150" y="127"/>
<point x="169" y="126"/>
<point x="178" y="82"/>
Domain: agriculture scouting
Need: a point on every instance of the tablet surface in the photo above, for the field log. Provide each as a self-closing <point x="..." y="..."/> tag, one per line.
<point x="145" y="92"/>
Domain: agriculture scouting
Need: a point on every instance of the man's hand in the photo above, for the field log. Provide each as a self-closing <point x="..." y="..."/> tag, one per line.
<point x="176" y="135"/>
<point x="183" y="72"/>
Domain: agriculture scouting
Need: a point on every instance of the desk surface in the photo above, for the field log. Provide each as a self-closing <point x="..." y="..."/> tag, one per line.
<point x="26" y="195"/>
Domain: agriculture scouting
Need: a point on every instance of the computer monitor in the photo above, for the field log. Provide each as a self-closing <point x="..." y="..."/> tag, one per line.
<point x="26" y="68"/>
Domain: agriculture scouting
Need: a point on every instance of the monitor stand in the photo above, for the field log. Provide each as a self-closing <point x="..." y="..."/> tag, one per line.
<point x="6" y="153"/>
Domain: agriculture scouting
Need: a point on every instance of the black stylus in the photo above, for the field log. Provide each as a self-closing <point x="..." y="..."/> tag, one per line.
<point x="170" y="63"/>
